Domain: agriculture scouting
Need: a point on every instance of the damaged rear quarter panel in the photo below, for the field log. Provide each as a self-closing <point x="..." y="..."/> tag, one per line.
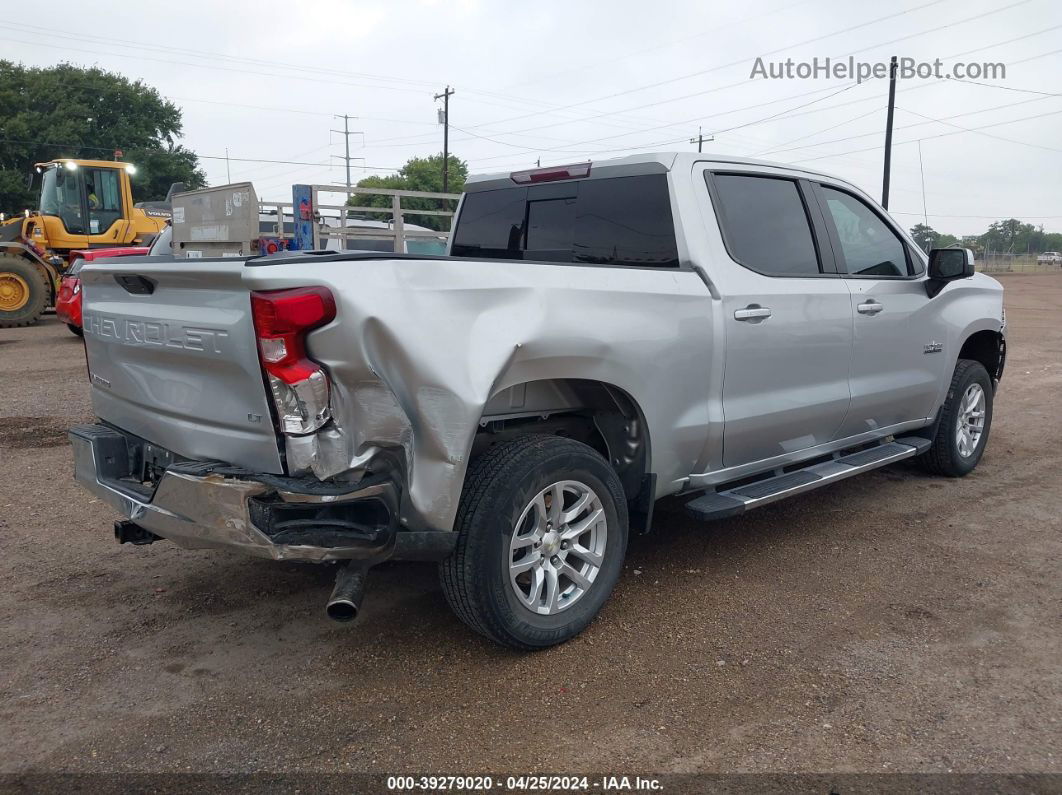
<point x="418" y="347"/>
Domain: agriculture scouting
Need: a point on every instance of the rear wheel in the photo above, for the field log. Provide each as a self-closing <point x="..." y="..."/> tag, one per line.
<point x="542" y="533"/>
<point x="23" y="292"/>
<point x="965" y="420"/>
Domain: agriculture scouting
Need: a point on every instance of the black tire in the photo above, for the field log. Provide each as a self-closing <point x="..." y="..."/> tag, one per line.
<point x="498" y="487"/>
<point x="32" y="309"/>
<point x="944" y="457"/>
<point x="76" y="329"/>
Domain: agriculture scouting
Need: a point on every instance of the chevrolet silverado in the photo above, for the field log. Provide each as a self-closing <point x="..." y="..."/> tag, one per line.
<point x="598" y="336"/>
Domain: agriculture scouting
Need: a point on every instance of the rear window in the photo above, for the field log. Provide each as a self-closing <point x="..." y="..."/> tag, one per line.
<point x="622" y="221"/>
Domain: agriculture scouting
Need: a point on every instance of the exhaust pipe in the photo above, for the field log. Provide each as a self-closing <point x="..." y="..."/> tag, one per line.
<point x="345" y="603"/>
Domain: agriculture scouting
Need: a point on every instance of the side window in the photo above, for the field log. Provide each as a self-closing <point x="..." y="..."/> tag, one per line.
<point x="625" y="221"/>
<point x="765" y="224"/>
<point x="869" y="246"/>
<point x="491" y="224"/>
<point x="104" y="199"/>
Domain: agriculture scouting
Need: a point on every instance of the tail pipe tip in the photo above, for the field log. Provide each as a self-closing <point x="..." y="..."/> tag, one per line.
<point x="345" y="603"/>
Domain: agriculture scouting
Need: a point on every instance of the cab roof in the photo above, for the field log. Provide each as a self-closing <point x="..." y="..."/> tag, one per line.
<point x="86" y="163"/>
<point x="647" y="163"/>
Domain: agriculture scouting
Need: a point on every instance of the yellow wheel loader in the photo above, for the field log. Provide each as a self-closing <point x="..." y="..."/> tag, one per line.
<point x="83" y="204"/>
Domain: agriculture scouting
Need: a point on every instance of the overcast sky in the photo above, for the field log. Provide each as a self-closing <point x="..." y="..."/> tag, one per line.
<point x="567" y="81"/>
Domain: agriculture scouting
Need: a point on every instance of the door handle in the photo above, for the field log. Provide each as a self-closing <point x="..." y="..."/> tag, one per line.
<point x="752" y="312"/>
<point x="871" y="307"/>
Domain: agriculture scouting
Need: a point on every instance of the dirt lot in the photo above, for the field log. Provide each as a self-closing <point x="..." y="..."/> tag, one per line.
<point x="893" y="622"/>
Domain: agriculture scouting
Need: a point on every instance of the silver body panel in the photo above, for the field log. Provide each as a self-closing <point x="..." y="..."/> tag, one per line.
<point x="179" y="366"/>
<point x="419" y="348"/>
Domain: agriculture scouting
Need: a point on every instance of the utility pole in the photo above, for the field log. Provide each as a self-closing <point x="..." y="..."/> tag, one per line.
<point x="445" y="97"/>
<point x="888" y="134"/>
<point x="346" y="132"/>
<point x="228" y="173"/>
<point x="700" y="140"/>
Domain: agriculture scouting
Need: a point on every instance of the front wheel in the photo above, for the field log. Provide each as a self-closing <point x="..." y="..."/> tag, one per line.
<point x="23" y="292"/>
<point x="965" y="420"/>
<point x="542" y="533"/>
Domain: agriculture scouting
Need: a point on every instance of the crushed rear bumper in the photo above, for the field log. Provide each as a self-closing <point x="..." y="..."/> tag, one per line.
<point x="212" y="505"/>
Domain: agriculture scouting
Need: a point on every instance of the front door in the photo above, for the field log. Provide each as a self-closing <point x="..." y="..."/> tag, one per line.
<point x="897" y="355"/>
<point x="787" y="316"/>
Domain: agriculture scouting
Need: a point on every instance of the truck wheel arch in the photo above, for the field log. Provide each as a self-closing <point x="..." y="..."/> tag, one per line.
<point x="602" y="415"/>
<point x="988" y="348"/>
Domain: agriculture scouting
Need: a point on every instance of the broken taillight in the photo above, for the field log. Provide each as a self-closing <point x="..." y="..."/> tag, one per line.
<point x="282" y="319"/>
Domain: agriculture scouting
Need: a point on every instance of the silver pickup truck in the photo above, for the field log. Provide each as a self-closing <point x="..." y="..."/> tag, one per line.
<point x="598" y="337"/>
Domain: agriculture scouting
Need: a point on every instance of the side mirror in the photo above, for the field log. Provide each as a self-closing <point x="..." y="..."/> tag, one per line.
<point x="948" y="264"/>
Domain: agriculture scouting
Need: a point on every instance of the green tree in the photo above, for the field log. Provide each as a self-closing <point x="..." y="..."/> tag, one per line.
<point x="419" y="173"/>
<point x="1010" y="235"/>
<point x="70" y="111"/>
<point x="925" y="236"/>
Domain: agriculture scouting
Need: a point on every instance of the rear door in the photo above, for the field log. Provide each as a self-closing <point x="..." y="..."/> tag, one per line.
<point x="787" y="316"/>
<point x="173" y="357"/>
<point x="898" y="358"/>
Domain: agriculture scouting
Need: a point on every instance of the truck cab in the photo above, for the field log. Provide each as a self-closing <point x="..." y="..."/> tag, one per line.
<point x="89" y="203"/>
<point x="83" y="204"/>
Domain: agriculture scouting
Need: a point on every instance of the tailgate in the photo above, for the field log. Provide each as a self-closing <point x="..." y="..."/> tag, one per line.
<point x="173" y="358"/>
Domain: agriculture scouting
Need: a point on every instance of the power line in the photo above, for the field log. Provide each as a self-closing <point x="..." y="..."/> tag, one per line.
<point x="780" y="114"/>
<point x="997" y="217"/>
<point x="781" y="147"/>
<point x="817" y="110"/>
<point x="980" y="132"/>
<point x="744" y="60"/>
<point x="1008" y="88"/>
<point x="212" y="67"/>
<point x="287" y="162"/>
<point x="49" y="143"/>
<point x="80" y="37"/>
<point x="939" y="135"/>
<point x="298" y="111"/>
<point x="201" y="157"/>
<point x="627" y="55"/>
<point x="906" y="126"/>
<point x="746" y="82"/>
<point x="205" y="54"/>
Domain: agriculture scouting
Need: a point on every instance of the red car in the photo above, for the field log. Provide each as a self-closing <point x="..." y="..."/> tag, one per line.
<point x="68" y="301"/>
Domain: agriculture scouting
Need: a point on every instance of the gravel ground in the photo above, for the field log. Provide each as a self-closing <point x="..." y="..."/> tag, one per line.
<point x="892" y="622"/>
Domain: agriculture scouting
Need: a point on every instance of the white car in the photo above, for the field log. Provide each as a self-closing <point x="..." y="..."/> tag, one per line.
<point x="1050" y="258"/>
